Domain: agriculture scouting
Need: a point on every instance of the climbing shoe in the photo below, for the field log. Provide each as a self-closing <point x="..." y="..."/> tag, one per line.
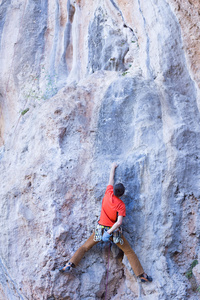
<point x="145" y="278"/>
<point x="67" y="268"/>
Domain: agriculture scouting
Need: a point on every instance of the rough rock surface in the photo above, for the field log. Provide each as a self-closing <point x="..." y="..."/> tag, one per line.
<point x="85" y="83"/>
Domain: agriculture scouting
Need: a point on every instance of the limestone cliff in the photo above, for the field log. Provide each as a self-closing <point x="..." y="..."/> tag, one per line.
<point x="83" y="84"/>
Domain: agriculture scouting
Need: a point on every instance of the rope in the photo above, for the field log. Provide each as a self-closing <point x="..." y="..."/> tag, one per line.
<point x="107" y="271"/>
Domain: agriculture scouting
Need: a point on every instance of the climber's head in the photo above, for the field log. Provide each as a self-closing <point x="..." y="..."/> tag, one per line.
<point x="119" y="189"/>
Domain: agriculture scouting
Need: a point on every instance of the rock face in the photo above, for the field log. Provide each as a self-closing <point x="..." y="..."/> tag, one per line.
<point x="83" y="84"/>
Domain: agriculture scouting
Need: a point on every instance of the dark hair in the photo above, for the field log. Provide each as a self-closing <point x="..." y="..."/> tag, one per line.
<point x="119" y="189"/>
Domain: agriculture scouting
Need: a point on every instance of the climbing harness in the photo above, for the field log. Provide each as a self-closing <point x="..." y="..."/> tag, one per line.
<point x="117" y="234"/>
<point x="99" y="232"/>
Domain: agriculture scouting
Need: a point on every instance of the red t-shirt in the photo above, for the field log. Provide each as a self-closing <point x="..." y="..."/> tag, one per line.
<point x="112" y="207"/>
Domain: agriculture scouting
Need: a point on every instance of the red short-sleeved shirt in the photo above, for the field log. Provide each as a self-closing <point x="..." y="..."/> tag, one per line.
<point x="112" y="207"/>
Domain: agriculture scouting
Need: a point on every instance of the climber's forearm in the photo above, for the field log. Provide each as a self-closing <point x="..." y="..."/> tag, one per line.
<point x="116" y="225"/>
<point x="112" y="173"/>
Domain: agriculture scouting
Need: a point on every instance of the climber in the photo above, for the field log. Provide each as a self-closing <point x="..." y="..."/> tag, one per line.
<point x="108" y="229"/>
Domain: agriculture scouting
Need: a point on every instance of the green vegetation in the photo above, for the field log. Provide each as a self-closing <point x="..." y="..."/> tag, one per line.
<point x="24" y="111"/>
<point x="124" y="73"/>
<point x="189" y="273"/>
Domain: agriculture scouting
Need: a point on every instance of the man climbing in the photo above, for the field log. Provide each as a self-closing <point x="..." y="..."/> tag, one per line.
<point x="108" y="229"/>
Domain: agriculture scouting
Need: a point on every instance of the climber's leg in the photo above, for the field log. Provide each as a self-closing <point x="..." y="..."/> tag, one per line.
<point x="82" y="250"/>
<point x="73" y="262"/>
<point x="132" y="257"/>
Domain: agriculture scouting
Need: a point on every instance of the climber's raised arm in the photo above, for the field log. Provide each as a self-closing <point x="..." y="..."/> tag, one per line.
<point x="112" y="173"/>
